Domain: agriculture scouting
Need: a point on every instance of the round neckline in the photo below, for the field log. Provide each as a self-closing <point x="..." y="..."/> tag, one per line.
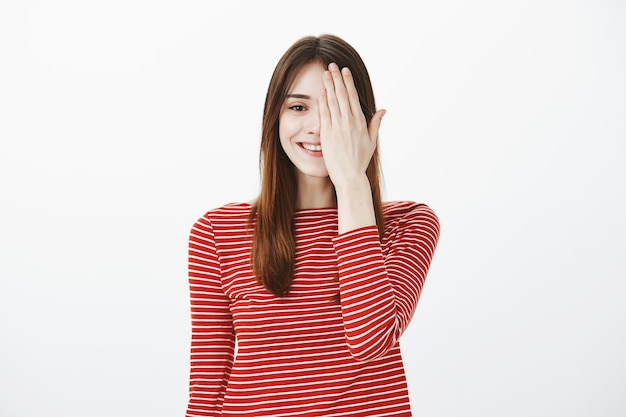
<point x="300" y="210"/>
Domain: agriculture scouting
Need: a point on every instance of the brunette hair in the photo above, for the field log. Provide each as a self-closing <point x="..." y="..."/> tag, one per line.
<point x="271" y="217"/>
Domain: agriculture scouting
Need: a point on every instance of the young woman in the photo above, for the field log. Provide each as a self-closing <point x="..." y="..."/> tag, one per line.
<point x="299" y="298"/>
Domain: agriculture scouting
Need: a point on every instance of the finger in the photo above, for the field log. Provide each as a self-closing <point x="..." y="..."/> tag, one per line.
<point x="324" y="111"/>
<point x="375" y="124"/>
<point x="353" y="95"/>
<point x="340" y="89"/>
<point x="331" y="98"/>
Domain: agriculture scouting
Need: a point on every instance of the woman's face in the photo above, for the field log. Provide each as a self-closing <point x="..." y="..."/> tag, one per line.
<point x="299" y="124"/>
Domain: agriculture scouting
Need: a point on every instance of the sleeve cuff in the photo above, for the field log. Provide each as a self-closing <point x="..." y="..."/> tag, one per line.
<point x="361" y="238"/>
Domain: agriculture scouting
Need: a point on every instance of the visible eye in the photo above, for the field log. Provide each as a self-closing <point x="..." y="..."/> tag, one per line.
<point x="297" y="107"/>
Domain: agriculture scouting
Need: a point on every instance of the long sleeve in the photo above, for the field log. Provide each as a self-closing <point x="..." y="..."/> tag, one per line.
<point x="380" y="282"/>
<point x="212" y="334"/>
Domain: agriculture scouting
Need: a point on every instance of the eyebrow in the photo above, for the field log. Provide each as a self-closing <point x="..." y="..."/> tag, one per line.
<point x="300" y="96"/>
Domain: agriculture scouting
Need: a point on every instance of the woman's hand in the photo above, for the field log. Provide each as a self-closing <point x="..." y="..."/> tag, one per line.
<point x="347" y="142"/>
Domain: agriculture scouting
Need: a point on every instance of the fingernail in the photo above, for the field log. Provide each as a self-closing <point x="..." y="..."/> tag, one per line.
<point x="332" y="66"/>
<point x="346" y="70"/>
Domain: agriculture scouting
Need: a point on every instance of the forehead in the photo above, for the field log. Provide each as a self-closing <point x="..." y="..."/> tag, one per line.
<point x="309" y="76"/>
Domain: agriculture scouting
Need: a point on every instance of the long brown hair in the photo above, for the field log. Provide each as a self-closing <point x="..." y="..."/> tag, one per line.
<point x="274" y="242"/>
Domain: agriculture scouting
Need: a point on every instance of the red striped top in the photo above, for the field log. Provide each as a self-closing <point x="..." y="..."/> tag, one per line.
<point x="255" y="354"/>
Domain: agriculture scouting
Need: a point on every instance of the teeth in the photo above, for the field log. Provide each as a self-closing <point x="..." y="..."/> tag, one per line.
<point x="311" y="147"/>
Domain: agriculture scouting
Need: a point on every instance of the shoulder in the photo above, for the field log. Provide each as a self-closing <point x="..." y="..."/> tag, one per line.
<point x="393" y="210"/>
<point x="409" y="214"/>
<point x="229" y="211"/>
<point x="226" y="215"/>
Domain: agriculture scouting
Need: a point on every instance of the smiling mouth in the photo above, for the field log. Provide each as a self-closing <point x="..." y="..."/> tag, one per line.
<point x="311" y="147"/>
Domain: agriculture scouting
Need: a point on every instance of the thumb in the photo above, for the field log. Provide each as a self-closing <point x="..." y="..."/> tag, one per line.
<point x="375" y="124"/>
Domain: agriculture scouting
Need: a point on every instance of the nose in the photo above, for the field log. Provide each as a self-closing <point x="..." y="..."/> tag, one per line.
<point x="313" y="123"/>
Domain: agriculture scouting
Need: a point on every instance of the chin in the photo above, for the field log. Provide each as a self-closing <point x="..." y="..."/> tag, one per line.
<point x="317" y="174"/>
<point x="314" y="172"/>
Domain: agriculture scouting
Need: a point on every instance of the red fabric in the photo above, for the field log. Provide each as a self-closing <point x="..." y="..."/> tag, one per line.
<point x="303" y="354"/>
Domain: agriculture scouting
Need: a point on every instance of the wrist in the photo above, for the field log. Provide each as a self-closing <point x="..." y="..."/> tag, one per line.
<point x="351" y="186"/>
<point x="354" y="205"/>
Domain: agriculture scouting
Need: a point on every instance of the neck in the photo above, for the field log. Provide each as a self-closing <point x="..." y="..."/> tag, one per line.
<point x="315" y="192"/>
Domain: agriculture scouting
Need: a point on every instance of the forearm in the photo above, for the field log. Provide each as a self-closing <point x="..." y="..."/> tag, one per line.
<point x="355" y="208"/>
<point x="381" y="280"/>
<point x="368" y="303"/>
